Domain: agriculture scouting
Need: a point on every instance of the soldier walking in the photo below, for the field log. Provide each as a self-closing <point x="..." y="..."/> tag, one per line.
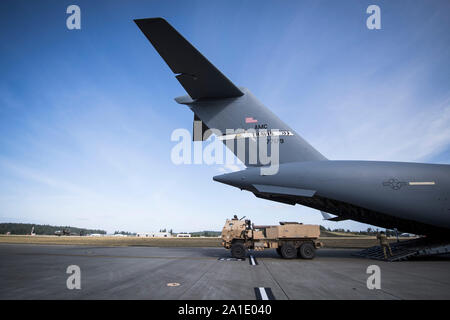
<point x="384" y="244"/>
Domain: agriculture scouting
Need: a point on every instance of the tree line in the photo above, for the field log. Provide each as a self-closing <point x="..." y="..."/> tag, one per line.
<point x="25" y="228"/>
<point x="368" y="232"/>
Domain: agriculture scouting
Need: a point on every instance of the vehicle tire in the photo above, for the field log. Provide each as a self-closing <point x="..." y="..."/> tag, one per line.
<point x="238" y="251"/>
<point x="278" y="251"/>
<point x="288" y="251"/>
<point x="307" y="251"/>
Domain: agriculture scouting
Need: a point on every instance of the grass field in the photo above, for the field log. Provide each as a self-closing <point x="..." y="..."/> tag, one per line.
<point x="329" y="242"/>
<point x="113" y="241"/>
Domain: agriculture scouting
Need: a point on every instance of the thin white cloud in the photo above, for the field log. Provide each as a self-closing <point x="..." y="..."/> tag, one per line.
<point x="41" y="178"/>
<point x="388" y="131"/>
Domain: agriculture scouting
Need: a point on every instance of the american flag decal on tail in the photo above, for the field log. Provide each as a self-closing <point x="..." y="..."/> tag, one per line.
<point x="250" y="120"/>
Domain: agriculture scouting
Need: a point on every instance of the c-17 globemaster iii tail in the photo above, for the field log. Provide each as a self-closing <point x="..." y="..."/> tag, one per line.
<point x="412" y="197"/>
<point x="244" y="124"/>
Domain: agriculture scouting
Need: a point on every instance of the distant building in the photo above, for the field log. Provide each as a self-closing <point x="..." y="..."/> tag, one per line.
<point x="183" y="235"/>
<point x="154" y="234"/>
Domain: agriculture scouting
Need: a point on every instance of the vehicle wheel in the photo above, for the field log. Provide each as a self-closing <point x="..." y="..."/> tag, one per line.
<point x="288" y="251"/>
<point x="238" y="251"/>
<point x="278" y="251"/>
<point x="307" y="251"/>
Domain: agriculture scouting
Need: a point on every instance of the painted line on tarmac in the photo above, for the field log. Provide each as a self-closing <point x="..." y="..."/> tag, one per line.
<point x="113" y="256"/>
<point x="252" y="261"/>
<point x="264" y="294"/>
<point x="230" y="259"/>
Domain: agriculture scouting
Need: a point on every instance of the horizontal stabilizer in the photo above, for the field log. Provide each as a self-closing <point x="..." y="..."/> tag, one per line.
<point x="327" y="216"/>
<point x="284" y="190"/>
<point x="281" y="199"/>
<point x="338" y="219"/>
<point x="197" y="75"/>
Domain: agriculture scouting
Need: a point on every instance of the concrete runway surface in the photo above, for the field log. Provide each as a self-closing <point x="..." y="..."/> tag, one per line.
<point x="39" y="272"/>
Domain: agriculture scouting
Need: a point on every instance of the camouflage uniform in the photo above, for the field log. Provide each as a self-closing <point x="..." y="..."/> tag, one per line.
<point x="384" y="244"/>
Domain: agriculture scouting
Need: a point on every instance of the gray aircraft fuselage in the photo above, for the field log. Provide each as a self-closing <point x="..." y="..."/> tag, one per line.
<point x="412" y="197"/>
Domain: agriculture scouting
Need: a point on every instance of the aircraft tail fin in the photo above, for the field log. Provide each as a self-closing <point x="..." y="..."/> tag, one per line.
<point x="197" y="75"/>
<point x="218" y="104"/>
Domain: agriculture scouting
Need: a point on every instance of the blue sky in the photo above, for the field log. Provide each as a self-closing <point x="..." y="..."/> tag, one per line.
<point x="86" y="115"/>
